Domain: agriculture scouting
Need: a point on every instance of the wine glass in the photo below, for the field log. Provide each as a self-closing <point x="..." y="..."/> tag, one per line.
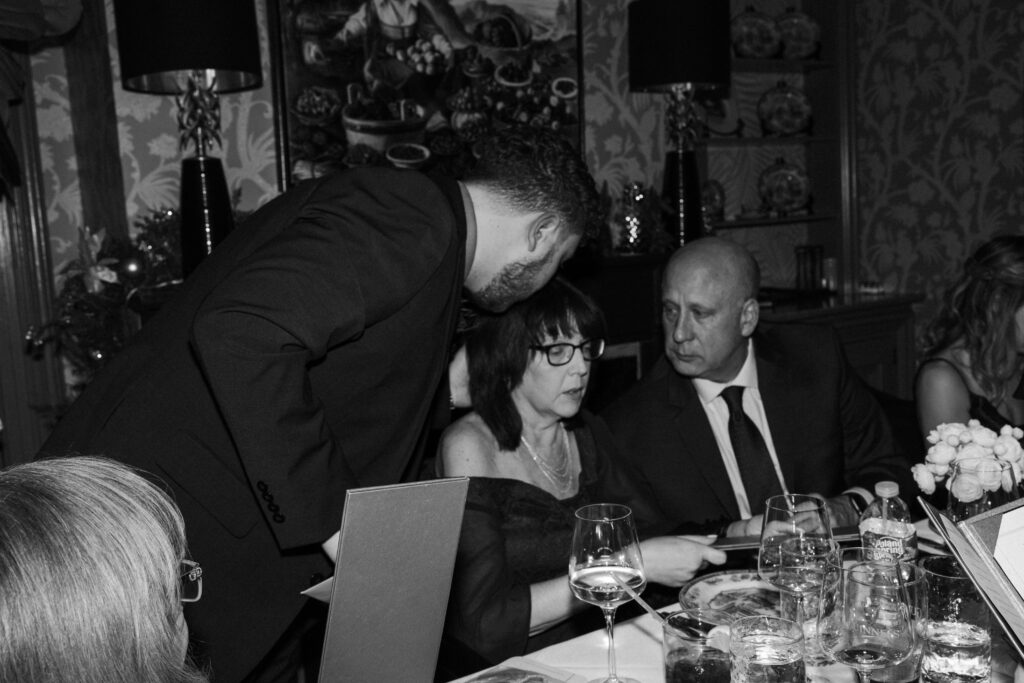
<point x="789" y="515"/>
<point x="865" y="614"/>
<point x="605" y="558"/>
<point x="803" y="565"/>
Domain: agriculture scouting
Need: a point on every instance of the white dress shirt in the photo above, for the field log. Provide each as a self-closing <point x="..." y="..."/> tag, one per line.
<point x="718" y="415"/>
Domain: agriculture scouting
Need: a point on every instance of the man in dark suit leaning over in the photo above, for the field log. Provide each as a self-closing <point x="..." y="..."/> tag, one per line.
<point x="818" y="428"/>
<point x="301" y="359"/>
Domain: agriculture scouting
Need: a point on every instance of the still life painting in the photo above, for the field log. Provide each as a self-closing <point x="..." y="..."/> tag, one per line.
<point x="416" y="83"/>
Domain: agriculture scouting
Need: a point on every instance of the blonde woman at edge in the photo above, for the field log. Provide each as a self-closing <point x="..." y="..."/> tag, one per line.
<point x="92" y="576"/>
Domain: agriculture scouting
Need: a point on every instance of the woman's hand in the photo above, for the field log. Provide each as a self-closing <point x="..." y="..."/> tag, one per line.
<point x="674" y="560"/>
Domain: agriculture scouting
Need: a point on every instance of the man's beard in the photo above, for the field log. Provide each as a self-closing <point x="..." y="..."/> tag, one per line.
<point x="513" y="283"/>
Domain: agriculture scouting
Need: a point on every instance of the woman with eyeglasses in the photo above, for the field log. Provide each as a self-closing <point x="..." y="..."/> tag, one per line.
<point x="533" y="458"/>
<point x="92" y="576"/>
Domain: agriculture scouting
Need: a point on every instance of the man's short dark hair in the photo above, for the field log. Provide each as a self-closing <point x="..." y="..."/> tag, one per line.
<point x="498" y="350"/>
<point x="535" y="169"/>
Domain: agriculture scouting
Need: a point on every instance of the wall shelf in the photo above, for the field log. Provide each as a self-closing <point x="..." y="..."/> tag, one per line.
<point x="764" y="141"/>
<point x="771" y="220"/>
<point x="772" y="66"/>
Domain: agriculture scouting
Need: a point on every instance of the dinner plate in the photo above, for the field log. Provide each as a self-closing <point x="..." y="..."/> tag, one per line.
<point x="739" y="592"/>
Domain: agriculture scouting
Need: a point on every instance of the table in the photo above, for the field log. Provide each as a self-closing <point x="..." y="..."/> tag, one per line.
<point x="638" y="647"/>
<point x="638" y="655"/>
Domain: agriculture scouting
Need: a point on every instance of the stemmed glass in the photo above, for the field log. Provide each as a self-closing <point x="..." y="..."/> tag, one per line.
<point x="605" y="556"/>
<point x="865" y="614"/>
<point x="789" y="515"/>
<point x="803" y="565"/>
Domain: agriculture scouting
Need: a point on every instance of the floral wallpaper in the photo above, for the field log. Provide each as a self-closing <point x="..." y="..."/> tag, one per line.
<point x="147" y="131"/>
<point x="939" y="125"/>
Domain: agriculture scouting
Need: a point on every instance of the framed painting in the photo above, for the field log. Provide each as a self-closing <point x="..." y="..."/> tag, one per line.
<point x="416" y="83"/>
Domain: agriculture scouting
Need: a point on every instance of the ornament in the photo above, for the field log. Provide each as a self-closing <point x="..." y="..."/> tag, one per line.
<point x="131" y="267"/>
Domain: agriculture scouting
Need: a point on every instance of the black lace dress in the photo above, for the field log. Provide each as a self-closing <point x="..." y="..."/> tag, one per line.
<point x="515" y="534"/>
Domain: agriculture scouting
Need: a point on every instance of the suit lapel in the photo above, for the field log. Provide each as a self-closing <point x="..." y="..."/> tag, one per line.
<point x="699" y="448"/>
<point x="781" y="397"/>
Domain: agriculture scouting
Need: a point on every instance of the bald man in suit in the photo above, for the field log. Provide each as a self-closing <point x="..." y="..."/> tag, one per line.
<point x="822" y="430"/>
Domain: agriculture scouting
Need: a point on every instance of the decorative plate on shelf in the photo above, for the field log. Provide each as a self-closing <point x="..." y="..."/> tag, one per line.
<point x="739" y="592"/>
<point x="755" y="35"/>
<point x="784" y="110"/>
<point x="784" y="187"/>
<point x="801" y="35"/>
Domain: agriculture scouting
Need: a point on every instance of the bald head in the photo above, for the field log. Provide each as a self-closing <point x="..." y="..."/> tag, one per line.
<point x="709" y="308"/>
<point x="725" y="261"/>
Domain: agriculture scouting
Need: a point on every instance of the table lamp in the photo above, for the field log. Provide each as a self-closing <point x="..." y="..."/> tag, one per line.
<point x="193" y="49"/>
<point x="678" y="47"/>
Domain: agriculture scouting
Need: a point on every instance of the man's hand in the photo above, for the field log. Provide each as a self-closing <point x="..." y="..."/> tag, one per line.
<point x="674" y="560"/>
<point x="746" y="527"/>
<point x="841" y="511"/>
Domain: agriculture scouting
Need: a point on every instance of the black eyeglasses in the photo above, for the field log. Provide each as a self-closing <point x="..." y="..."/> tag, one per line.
<point x="562" y="353"/>
<point x="191" y="581"/>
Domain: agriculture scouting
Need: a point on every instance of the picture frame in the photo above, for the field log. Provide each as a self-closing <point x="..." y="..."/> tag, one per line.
<point x="417" y="83"/>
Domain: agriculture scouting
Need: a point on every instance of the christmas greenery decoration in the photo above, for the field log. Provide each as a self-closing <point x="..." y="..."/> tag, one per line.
<point x="103" y="291"/>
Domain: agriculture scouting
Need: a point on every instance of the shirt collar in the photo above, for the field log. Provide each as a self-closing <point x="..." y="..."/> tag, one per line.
<point x="709" y="390"/>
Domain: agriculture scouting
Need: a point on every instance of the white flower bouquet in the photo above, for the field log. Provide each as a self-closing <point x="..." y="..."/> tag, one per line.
<point x="995" y="460"/>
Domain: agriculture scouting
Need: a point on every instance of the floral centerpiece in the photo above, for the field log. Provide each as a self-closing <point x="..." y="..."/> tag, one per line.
<point x="986" y="450"/>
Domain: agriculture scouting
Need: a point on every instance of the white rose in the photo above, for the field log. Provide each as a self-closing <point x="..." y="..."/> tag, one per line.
<point x="1007" y="448"/>
<point x="983" y="436"/>
<point x="950" y="432"/>
<point x="990" y="473"/>
<point x="924" y="478"/>
<point x="972" y="450"/>
<point x="940" y="470"/>
<point x="940" y="454"/>
<point x="965" y="487"/>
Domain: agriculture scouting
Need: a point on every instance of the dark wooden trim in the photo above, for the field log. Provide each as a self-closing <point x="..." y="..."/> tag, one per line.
<point x="94" y="120"/>
<point x="29" y="389"/>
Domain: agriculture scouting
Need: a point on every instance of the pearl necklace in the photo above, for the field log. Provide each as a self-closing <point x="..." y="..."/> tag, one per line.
<point x="561" y="477"/>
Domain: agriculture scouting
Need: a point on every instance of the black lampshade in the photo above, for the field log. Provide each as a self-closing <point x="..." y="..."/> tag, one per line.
<point x="160" y="40"/>
<point x="678" y="41"/>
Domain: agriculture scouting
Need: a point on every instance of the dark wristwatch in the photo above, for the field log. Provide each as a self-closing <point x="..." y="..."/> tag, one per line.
<point x="858" y="503"/>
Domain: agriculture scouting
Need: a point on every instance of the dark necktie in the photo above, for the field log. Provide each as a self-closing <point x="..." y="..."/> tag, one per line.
<point x="756" y="468"/>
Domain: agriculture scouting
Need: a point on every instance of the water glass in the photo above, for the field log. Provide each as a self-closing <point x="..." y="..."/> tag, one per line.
<point x="979" y="484"/>
<point x="766" y="649"/>
<point x="958" y="646"/>
<point x="909" y="669"/>
<point x="691" y="652"/>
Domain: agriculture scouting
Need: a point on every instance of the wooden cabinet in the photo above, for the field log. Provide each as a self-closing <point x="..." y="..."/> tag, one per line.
<point x="877" y="334"/>
<point x="738" y="149"/>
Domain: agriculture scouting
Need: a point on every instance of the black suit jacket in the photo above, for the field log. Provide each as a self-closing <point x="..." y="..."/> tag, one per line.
<point x="828" y="430"/>
<point x="300" y="360"/>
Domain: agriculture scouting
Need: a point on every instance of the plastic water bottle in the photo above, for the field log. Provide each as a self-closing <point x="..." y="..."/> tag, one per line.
<point x="885" y="525"/>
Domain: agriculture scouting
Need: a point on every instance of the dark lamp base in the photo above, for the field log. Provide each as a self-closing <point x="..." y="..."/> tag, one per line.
<point x="682" y="192"/>
<point x="205" y="208"/>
